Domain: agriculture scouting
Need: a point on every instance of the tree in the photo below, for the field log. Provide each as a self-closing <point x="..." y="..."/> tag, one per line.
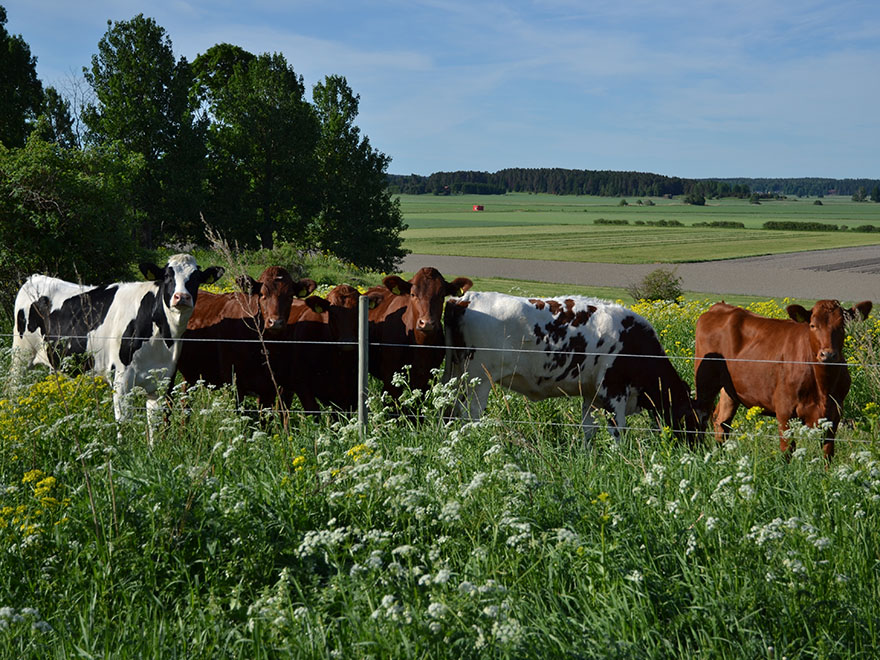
<point x="860" y="195"/>
<point x="875" y="194"/>
<point x="359" y="220"/>
<point x="55" y="123"/>
<point x="21" y="94"/>
<point x="143" y="102"/>
<point x="260" y="146"/>
<point x="64" y="212"/>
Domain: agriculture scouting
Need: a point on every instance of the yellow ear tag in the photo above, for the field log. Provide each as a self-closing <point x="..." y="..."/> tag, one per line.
<point x="319" y="310"/>
<point x="395" y="291"/>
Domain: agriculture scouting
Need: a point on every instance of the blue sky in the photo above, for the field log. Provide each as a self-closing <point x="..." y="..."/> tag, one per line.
<point x="692" y="88"/>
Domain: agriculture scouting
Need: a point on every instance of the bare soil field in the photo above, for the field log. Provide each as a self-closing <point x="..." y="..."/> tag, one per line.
<point x="848" y="274"/>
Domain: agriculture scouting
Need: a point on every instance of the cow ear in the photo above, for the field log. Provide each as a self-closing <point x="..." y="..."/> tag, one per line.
<point x="858" y="312"/>
<point x="458" y="286"/>
<point x="397" y="285"/>
<point x="151" y="271"/>
<point x="798" y="313"/>
<point x="248" y="285"/>
<point x="304" y="287"/>
<point x="317" y="304"/>
<point x="212" y="274"/>
<point x="375" y="299"/>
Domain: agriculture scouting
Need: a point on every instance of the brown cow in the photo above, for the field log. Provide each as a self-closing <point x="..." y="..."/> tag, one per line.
<point x="321" y="365"/>
<point x="260" y="310"/>
<point x="789" y="368"/>
<point x="407" y="319"/>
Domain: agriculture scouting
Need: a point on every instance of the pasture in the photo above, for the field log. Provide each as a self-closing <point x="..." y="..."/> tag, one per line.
<point x="240" y="535"/>
<point x="525" y="226"/>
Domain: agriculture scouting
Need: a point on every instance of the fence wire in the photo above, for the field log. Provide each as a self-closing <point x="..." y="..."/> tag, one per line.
<point x="699" y="435"/>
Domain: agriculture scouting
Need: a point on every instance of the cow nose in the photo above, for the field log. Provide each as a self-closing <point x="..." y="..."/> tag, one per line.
<point x="181" y="300"/>
<point x="827" y="355"/>
<point x="275" y="324"/>
<point x="425" y="325"/>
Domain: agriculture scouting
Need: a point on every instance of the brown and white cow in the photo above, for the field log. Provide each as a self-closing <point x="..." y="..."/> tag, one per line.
<point x="223" y="337"/>
<point x="569" y="346"/>
<point x="406" y="327"/>
<point x="321" y="363"/>
<point x="790" y="368"/>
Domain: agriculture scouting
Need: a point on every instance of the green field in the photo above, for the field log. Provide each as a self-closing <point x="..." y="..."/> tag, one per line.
<point x="522" y="226"/>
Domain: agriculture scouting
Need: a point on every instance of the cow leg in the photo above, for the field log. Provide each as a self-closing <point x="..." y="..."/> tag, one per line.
<point x="724" y="413"/>
<point x="708" y="380"/>
<point x="588" y="423"/>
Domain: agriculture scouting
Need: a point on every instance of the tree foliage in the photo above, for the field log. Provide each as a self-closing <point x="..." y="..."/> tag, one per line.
<point x="21" y="93"/>
<point x="64" y="212"/>
<point x="261" y="146"/>
<point x="359" y="221"/>
<point x="143" y="103"/>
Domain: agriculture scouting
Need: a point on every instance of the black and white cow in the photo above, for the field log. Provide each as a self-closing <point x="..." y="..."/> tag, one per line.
<point x="128" y="328"/>
<point x="570" y="346"/>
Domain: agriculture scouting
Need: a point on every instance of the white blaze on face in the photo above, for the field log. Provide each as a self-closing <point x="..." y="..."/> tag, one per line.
<point x="183" y="293"/>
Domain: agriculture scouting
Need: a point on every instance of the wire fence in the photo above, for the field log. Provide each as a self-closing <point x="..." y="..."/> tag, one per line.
<point x="519" y="423"/>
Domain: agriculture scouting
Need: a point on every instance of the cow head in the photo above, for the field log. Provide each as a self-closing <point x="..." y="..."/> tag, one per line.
<point x="179" y="280"/>
<point x="274" y="290"/>
<point x="426" y="290"/>
<point x="826" y="325"/>
<point x="341" y="307"/>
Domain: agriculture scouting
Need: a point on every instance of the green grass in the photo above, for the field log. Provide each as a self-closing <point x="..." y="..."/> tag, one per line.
<point x="240" y="536"/>
<point x="522" y="226"/>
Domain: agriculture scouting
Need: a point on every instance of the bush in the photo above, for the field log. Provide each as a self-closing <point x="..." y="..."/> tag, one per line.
<point x="660" y="284"/>
<point x="665" y="223"/>
<point x="818" y="202"/>
<point x="606" y="221"/>
<point x="721" y="224"/>
<point x="792" y="225"/>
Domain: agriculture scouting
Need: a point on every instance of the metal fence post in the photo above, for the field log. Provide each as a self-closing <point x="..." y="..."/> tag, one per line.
<point x="363" y="362"/>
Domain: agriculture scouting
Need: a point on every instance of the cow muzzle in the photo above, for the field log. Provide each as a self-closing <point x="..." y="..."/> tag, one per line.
<point x="275" y="325"/>
<point x="181" y="300"/>
<point x="827" y="355"/>
<point x="426" y="325"/>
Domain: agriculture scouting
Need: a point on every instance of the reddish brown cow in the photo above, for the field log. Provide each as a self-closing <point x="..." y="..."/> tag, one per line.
<point x="788" y="368"/>
<point x="260" y="310"/>
<point x="407" y="324"/>
<point x="321" y="364"/>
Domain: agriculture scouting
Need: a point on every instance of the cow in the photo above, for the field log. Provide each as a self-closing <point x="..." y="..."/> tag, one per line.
<point x="321" y="364"/>
<point x="230" y="336"/>
<point x="128" y="328"/>
<point x="790" y="368"/>
<point x="567" y="346"/>
<point x="406" y="327"/>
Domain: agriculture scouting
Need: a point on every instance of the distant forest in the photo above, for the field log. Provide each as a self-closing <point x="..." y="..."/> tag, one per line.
<point x="607" y="183"/>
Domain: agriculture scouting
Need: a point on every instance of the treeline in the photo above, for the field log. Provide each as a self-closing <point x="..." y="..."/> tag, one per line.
<point x="607" y="183"/>
<point x="806" y="187"/>
<point x="165" y="147"/>
<point x="558" y="181"/>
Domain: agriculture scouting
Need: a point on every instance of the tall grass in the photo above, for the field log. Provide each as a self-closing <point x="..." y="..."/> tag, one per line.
<point x="238" y="536"/>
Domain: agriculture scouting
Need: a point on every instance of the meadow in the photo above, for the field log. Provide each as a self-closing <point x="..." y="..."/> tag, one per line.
<point x="523" y="226"/>
<point x="251" y="535"/>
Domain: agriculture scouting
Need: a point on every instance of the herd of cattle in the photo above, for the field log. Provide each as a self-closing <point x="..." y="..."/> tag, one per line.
<point x="275" y="338"/>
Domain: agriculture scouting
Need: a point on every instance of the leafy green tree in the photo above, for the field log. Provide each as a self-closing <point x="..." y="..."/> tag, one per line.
<point x="143" y="102"/>
<point x="359" y="220"/>
<point x="64" y="212"/>
<point x="261" y="147"/>
<point x="875" y="194"/>
<point x="860" y="195"/>
<point x="21" y="94"/>
<point x="55" y="123"/>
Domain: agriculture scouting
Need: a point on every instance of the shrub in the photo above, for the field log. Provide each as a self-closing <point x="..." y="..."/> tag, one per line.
<point x="818" y="202"/>
<point x="610" y="221"/>
<point x="722" y="224"/>
<point x="792" y="225"/>
<point x="660" y="284"/>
